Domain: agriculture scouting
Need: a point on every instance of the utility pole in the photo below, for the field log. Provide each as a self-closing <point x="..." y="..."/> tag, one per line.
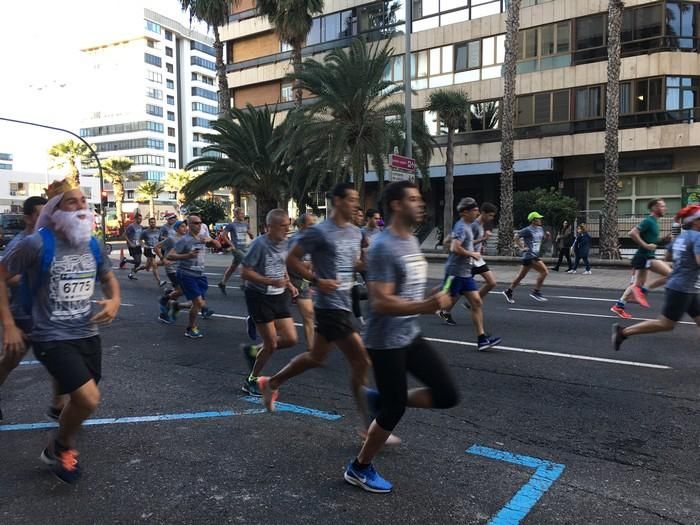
<point x="407" y="78"/>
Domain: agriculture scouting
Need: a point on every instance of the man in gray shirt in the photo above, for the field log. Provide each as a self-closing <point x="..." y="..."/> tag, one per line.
<point x="169" y="307"/>
<point x="529" y="240"/>
<point x="62" y="263"/>
<point x="267" y="295"/>
<point x="132" y="235"/>
<point x="372" y="229"/>
<point x="303" y="299"/>
<point x="150" y="237"/>
<point x="397" y="276"/>
<point x="237" y="234"/>
<point x="335" y="251"/>
<point x="168" y="229"/>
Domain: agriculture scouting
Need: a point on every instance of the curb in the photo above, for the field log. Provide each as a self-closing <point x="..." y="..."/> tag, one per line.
<point x="501" y="259"/>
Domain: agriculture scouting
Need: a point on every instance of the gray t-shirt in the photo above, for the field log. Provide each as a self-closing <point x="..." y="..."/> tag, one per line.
<point x="239" y="234"/>
<point x="150" y="237"/>
<point x="477" y="233"/>
<point x="186" y="244"/>
<point x="267" y="258"/>
<point x="461" y="265"/>
<point x="532" y="237"/>
<point x="16" y="304"/>
<point x="166" y="231"/>
<point x="334" y="251"/>
<point x="61" y="308"/>
<point x="166" y="246"/>
<point x="293" y="240"/>
<point x="685" y="276"/>
<point x="133" y="233"/>
<point x="398" y="260"/>
<point x="370" y="233"/>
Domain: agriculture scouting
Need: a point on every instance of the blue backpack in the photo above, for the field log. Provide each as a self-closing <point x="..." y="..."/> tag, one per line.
<point x="48" y="252"/>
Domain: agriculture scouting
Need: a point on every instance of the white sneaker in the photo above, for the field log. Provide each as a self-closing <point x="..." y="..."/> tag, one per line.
<point x="587" y="272"/>
<point x="571" y="271"/>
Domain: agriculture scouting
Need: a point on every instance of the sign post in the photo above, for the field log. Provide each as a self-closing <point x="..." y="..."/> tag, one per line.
<point x="402" y="168"/>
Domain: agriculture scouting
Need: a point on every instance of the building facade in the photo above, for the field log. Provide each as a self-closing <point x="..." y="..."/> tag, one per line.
<point x="16" y="186"/>
<point x="562" y="73"/>
<point x="6" y="162"/>
<point x="154" y="97"/>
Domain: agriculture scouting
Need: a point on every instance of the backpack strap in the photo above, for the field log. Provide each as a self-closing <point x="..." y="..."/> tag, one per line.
<point x="47" y="253"/>
<point x="96" y="250"/>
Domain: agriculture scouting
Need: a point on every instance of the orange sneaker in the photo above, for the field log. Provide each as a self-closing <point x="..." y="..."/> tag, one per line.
<point x="640" y="296"/>
<point x="269" y="396"/>
<point x="621" y="312"/>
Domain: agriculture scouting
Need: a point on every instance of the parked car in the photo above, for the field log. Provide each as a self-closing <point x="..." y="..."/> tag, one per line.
<point x="10" y="225"/>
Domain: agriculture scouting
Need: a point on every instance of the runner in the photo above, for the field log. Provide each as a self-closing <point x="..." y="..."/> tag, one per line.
<point x="683" y="287"/>
<point x="267" y="295"/>
<point x="481" y="235"/>
<point x="189" y="252"/>
<point x="397" y="278"/>
<point x="529" y="240"/>
<point x="23" y="319"/>
<point x="169" y="307"/>
<point x="646" y="236"/>
<point x="150" y="237"/>
<point x="132" y="235"/>
<point x="303" y="298"/>
<point x="168" y="229"/>
<point x="359" y="218"/>
<point x="458" y="272"/>
<point x="61" y="263"/>
<point x="237" y="233"/>
<point x="371" y="229"/>
<point x="334" y="246"/>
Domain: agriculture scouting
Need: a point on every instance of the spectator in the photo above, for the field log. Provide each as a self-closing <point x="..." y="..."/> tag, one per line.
<point x="562" y="244"/>
<point x="580" y="249"/>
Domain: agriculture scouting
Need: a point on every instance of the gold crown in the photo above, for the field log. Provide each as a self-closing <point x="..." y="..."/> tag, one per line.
<point x="59" y="187"/>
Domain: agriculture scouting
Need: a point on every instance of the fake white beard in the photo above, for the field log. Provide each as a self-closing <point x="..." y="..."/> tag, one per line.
<point x="75" y="225"/>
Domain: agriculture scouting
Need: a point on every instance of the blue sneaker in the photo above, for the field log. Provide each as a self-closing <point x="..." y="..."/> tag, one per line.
<point x="250" y="328"/>
<point x="207" y="313"/>
<point x="367" y="479"/>
<point x="193" y="333"/>
<point x="372" y="402"/>
<point x="487" y="342"/>
<point x="165" y="318"/>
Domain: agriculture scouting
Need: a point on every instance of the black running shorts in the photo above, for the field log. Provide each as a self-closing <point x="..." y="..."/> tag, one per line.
<point x="135" y="251"/>
<point x="335" y="325"/>
<point x="678" y="303"/>
<point x="149" y="253"/>
<point x="528" y="262"/>
<point x="641" y="262"/>
<point x="71" y="363"/>
<point x="266" y="308"/>
<point x="478" y="270"/>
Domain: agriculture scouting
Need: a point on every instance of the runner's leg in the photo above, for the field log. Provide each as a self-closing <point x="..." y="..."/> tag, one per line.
<point x="476" y="311"/>
<point x="82" y="402"/>
<point x="306" y="309"/>
<point x="303" y="362"/>
<point x="280" y="333"/>
<point x="524" y="270"/>
<point x="356" y="355"/>
<point x="489" y="285"/>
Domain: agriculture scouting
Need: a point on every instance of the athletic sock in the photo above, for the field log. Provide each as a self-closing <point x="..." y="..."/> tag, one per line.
<point x="620" y="303"/>
<point x="251" y="377"/>
<point x="482" y="336"/>
<point x="644" y="290"/>
<point x="360" y="466"/>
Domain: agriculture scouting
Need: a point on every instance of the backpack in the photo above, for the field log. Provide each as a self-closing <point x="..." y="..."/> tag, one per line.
<point x="48" y="252"/>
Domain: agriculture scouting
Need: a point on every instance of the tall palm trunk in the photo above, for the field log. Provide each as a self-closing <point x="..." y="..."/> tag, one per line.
<point x="358" y="172"/>
<point x="73" y="174"/>
<point x="609" y="242"/>
<point x="118" y="187"/>
<point x="505" y="223"/>
<point x="296" y="64"/>
<point x="152" y="207"/>
<point x="224" y="96"/>
<point x="449" y="184"/>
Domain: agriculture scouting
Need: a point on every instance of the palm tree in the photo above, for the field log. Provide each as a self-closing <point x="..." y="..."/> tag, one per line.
<point x="245" y="158"/>
<point x="292" y="20"/>
<point x="609" y="243"/>
<point x="351" y="107"/>
<point x="176" y="180"/>
<point x="150" y="190"/>
<point x="69" y="153"/>
<point x="505" y="222"/>
<point x="214" y="13"/>
<point x="115" y="171"/>
<point x="451" y="107"/>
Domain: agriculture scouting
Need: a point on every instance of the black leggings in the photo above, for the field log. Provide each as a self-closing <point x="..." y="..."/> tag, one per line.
<point x="391" y="367"/>
<point x="563" y="252"/>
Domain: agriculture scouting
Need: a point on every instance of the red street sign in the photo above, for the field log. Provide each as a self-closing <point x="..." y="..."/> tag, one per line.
<point x="401" y="162"/>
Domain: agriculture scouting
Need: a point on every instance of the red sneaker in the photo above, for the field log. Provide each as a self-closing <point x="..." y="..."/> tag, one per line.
<point x="639" y="296"/>
<point x="269" y="396"/>
<point x="621" y="312"/>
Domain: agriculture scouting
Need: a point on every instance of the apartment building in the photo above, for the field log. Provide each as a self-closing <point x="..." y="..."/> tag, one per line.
<point x="6" y="161"/>
<point x="560" y="88"/>
<point x="154" y="96"/>
<point x="16" y="186"/>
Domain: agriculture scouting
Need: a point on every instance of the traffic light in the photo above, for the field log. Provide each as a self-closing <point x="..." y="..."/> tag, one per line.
<point x="104" y="201"/>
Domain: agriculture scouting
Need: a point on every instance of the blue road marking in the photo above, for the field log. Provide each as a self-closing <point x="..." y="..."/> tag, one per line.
<point x="546" y="473"/>
<point x="25" y="363"/>
<point x="282" y="407"/>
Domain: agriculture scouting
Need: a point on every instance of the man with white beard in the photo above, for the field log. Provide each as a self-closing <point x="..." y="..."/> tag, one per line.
<point x="62" y="263"/>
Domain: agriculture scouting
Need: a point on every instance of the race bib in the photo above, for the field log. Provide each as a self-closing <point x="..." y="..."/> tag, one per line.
<point x="478" y="263"/>
<point x="536" y="247"/>
<point x="76" y="286"/>
<point x="242" y="237"/>
<point x="416" y="277"/>
<point x="346" y="280"/>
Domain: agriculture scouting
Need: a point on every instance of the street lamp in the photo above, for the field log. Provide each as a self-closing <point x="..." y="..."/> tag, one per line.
<point x="99" y="165"/>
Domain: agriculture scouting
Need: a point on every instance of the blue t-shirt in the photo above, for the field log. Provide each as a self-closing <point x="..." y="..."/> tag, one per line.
<point x="532" y="237"/>
<point x="269" y="259"/>
<point x="685" y="276"/>
<point x="398" y="260"/>
<point x="461" y="265"/>
<point x="334" y="251"/>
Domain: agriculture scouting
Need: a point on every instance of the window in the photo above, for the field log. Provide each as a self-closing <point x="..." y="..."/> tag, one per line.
<point x="122" y="128"/>
<point x="153" y="76"/>
<point x="168" y="51"/>
<point x="169" y="84"/>
<point x="154" y="93"/>
<point x="201" y="62"/>
<point x="130" y="194"/>
<point x="560" y="106"/>
<point x="169" y="68"/>
<point x="681" y="24"/>
<point x="152" y="59"/>
<point x="543" y="108"/>
<point x="151" y="43"/>
<point x="171" y="115"/>
<point x="419" y="64"/>
<point x="484" y="115"/>
<point x="468" y="55"/>
<point x="647" y="94"/>
<point x="544" y="47"/>
<point x="201" y="122"/>
<point x="170" y="100"/>
<point x="314" y="36"/>
<point x="205" y="93"/>
<point x="168" y="35"/>
<point x="5" y="166"/>
<point x="591" y="38"/>
<point x="172" y="163"/>
<point x="118" y="145"/>
<point x="525" y="105"/>
<point x="154" y="110"/>
<point x="171" y="147"/>
<point x="394" y="70"/>
<point x="171" y="132"/>
<point x="635" y="192"/>
<point x="207" y="80"/>
<point x="153" y="27"/>
<point x="625" y="98"/>
<point x="156" y="160"/>
<point x="641" y="23"/>
<point x="286" y="92"/>
<point x="195" y="76"/>
<point x="18" y="189"/>
<point x="589" y="102"/>
<point x="206" y="108"/>
<point x="204" y="48"/>
<point x="682" y="93"/>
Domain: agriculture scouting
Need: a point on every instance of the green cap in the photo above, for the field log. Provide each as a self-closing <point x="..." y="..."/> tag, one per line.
<point x="534" y="215"/>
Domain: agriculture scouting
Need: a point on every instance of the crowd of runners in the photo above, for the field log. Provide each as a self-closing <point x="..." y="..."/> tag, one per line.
<point x="49" y="274"/>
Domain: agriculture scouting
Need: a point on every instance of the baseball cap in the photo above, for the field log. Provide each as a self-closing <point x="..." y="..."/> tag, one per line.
<point x="178" y="224"/>
<point x="534" y="215"/>
<point x="169" y="215"/>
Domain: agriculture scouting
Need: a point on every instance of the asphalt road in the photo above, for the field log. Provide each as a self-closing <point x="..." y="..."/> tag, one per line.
<point x="627" y="433"/>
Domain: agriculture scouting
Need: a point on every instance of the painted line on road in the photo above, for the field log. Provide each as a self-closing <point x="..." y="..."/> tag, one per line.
<point x="557" y="354"/>
<point x="120" y="304"/>
<point x="27" y="363"/>
<point x="518" y="507"/>
<point x="577" y="314"/>
<point x="280" y="407"/>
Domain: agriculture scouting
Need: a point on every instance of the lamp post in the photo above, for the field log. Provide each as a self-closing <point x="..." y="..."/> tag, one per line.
<point x="94" y="154"/>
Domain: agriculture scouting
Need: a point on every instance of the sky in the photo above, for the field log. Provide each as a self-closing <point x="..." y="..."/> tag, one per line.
<point x="42" y="80"/>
